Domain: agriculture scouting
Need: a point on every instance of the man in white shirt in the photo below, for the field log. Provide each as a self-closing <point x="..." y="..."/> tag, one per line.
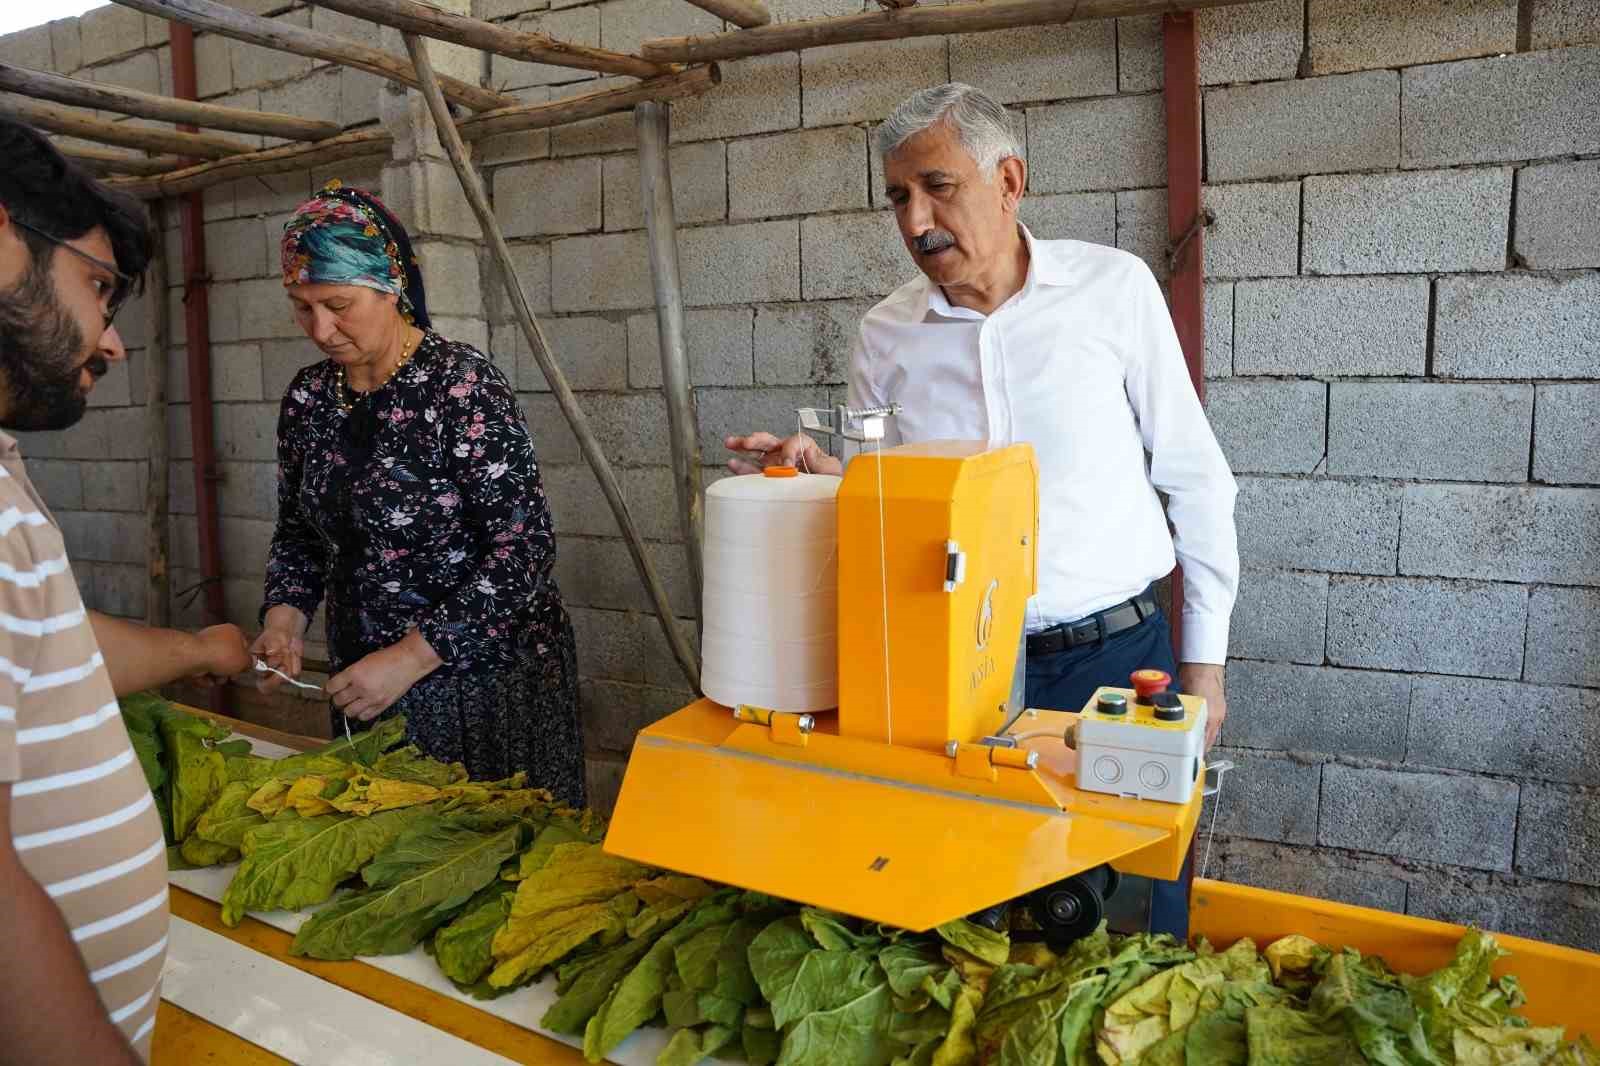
<point x="1067" y="346"/>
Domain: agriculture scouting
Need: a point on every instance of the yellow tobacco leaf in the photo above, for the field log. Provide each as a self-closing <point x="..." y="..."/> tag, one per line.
<point x="305" y="796"/>
<point x="672" y="887"/>
<point x="368" y="795"/>
<point x="269" y="798"/>
<point x="552" y="935"/>
<point x="575" y="874"/>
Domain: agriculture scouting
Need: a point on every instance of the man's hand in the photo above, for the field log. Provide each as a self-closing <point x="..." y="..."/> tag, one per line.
<point x="1205" y="680"/>
<point x="281" y="644"/>
<point x="222" y="653"/>
<point x="798" y="450"/>
<point x="371" y="686"/>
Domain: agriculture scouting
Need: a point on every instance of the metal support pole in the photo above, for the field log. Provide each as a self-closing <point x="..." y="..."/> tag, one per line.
<point x="472" y="187"/>
<point x="651" y="123"/>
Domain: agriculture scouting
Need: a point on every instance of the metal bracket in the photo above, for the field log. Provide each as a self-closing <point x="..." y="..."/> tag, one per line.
<point x="840" y="418"/>
<point x="785" y="727"/>
<point x="1214" y="772"/>
<point x="955" y="565"/>
<point x="1201" y="221"/>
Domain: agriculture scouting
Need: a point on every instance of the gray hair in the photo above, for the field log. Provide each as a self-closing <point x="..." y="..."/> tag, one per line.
<point x="981" y="124"/>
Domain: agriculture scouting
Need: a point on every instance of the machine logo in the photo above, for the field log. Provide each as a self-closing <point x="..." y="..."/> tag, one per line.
<point x="986" y="615"/>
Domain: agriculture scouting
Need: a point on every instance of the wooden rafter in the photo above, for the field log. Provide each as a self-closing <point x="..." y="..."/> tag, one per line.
<point x="746" y="13"/>
<point x="100" y="161"/>
<point x="428" y="21"/>
<point x="125" y="134"/>
<point x="905" y="22"/>
<point x="42" y="85"/>
<point x="286" y="37"/>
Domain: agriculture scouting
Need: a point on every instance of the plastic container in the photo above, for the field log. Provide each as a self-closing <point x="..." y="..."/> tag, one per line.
<point x="771" y="591"/>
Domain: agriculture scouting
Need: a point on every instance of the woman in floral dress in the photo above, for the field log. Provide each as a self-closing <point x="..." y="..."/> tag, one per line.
<point x="409" y="499"/>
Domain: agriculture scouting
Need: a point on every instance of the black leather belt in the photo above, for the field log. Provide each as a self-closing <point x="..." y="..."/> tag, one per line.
<point x="1102" y="625"/>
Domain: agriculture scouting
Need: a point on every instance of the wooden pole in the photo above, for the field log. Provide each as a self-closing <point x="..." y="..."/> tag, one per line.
<point x="287" y="37"/>
<point x="63" y="90"/>
<point x="158" y="593"/>
<point x="651" y="123"/>
<point x="126" y="134"/>
<point x="428" y="21"/>
<point x="370" y="142"/>
<point x="905" y="22"/>
<point x="746" y="13"/>
<point x="98" y="161"/>
<point x="450" y="137"/>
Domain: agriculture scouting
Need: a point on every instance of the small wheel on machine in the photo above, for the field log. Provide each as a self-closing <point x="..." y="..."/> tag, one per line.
<point x="1113" y="882"/>
<point x="1067" y="911"/>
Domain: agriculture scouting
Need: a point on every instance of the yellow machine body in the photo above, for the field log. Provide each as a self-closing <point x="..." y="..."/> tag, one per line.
<point x="895" y="808"/>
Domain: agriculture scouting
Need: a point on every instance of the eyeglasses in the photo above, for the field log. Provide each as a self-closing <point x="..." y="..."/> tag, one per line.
<point x="119" y="291"/>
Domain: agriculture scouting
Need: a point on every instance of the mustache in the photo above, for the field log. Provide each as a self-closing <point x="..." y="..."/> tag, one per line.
<point x="933" y="241"/>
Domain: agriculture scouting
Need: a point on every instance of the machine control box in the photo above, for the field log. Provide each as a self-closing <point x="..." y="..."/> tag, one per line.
<point x="1148" y="750"/>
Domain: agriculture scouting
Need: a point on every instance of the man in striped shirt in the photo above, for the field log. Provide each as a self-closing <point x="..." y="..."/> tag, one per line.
<point x="83" y="876"/>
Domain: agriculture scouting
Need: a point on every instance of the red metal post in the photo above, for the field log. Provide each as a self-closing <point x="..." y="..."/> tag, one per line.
<point x="1186" y="286"/>
<point x="197" y="337"/>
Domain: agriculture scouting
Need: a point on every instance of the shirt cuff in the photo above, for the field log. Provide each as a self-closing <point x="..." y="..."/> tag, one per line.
<point x="1205" y="639"/>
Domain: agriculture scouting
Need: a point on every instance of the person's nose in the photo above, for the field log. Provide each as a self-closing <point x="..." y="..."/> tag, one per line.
<point x="323" y="325"/>
<point x="111" y="347"/>
<point x="917" y="214"/>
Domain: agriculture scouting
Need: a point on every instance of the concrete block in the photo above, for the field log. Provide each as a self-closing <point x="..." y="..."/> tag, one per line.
<point x="235" y="249"/>
<point x="603" y="783"/>
<point x="1537" y="910"/>
<point x="608" y="644"/>
<point x="600" y="573"/>
<point x="1331" y="327"/>
<point x="1271" y="797"/>
<point x="273" y="194"/>
<point x="1517" y="326"/>
<point x="1364" y="34"/>
<point x="500" y="10"/>
<point x="60" y="483"/>
<point x="236" y="372"/>
<point x="1257" y="231"/>
<point x="592" y="352"/>
<point x="1270" y="427"/>
<point x="246" y="431"/>
<point x="580" y="509"/>
<point x="1560" y="834"/>
<point x="1307" y="872"/>
<point x="1566" y="439"/>
<point x="1219" y="329"/>
<point x="1090" y="216"/>
<point x="1259" y="42"/>
<point x="699" y="186"/>
<point x="1038" y="62"/>
<point x="1394" y="223"/>
<point x="1411" y="624"/>
<point x="1424" y="430"/>
<point x="255" y="66"/>
<point x="113" y="390"/>
<point x="1139" y="60"/>
<point x="1502" y="533"/>
<point x="737" y="412"/>
<point x="1463" y="821"/>
<point x="103" y="433"/>
<point x="261" y="310"/>
<point x="180" y="487"/>
<point x="1285" y="707"/>
<point x="103" y="537"/>
<point x="316" y="96"/>
<point x="578" y="25"/>
<point x="139" y="71"/>
<point x="1505" y="728"/>
<point x="795" y="10"/>
<point x="631" y="427"/>
<point x="1314" y="524"/>
<point x="626" y="24"/>
<point x="756" y="261"/>
<point x="853" y="255"/>
<point x="281" y="361"/>
<point x="246" y="543"/>
<point x="532" y="265"/>
<point x="1130" y="133"/>
<point x="806" y="344"/>
<point x="757" y="95"/>
<point x="1529" y="106"/>
<point x="608" y="133"/>
<point x="864" y="82"/>
<point x="180" y="444"/>
<point x="219" y="199"/>
<point x="1556" y="24"/>
<point x="604" y="273"/>
<point x="451" y="271"/>
<point x="1306" y="126"/>
<point x="718" y="340"/>
<point x="120" y="590"/>
<point x="1558" y="224"/>
<point x="800" y="173"/>
<point x="1142" y="227"/>
<point x="213" y="65"/>
<point x="614" y="712"/>
<point x="359" y="96"/>
<point x="426" y="195"/>
<point x="247" y="490"/>
<point x="549" y="196"/>
<point x="66" y="46"/>
<point x="109" y="31"/>
<point x="1281" y="615"/>
<point x="516" y="147"/>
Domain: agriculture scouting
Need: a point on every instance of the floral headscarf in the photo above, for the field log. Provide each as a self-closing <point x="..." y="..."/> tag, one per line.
<point x="346" y="236"/>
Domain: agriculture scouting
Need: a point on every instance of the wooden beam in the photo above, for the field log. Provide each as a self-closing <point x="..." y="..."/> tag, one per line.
<point x="428" y="21"/>
<point x="125" y="134"/>
<point x="158" y="592"/>
<point x="98" y="161"/>
<point x="63" y="90"/>
<point x="746" y="13"/>
<point x="286" y="37"/>
<point x="566" y="399"/>
<point x="906" y="22"/>
<point x="369" y="142"/>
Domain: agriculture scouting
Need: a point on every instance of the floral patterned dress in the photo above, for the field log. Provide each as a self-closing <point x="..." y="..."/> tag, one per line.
<point x="422" y="507"/>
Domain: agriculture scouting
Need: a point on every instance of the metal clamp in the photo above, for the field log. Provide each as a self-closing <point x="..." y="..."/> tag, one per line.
<point x="840" y="418"/>
<point x="955" y="565"/>
<point x="1214" y="772"/>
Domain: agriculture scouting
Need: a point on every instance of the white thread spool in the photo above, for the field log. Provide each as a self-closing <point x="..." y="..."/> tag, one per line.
<point x="771" y="592"/>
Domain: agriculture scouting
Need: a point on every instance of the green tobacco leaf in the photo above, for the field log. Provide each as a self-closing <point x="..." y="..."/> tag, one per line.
<point x="462" y="948"/>
<point x="228" y="819"/>
<point x="148" y="748"/>
<point x="197" y="852"/>
<point x="589" y="986"/>
<point x="545" y="843"/>
<point x="761" y="1046"/>
<point x="798" y="978"/>
<point x="574" y="874"/>
<point x="735" y="980"/>
<point x="1444" y="998"/>
<point x="196" y="775"/>
<point x="366" y="746"/>
<point x="409" y="764"/>
<point x="908" y="963"/>
<point x="558" y="934"/>
<point x="1283" y="1036"/>
<point x="855" y="1032"/>
<point x="696" y="958"/>
<point x="986" y="944"/>
<point x="1503" y="1045"/>
<point x="832" y="932"/>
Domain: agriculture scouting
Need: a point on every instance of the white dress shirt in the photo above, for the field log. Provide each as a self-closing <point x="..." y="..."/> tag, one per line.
<point x="1084" y="365"/>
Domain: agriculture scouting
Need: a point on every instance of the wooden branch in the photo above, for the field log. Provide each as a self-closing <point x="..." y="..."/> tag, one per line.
<point x="907" y="22"/>
<point x="691" y="82"/>
<point x="472" y="186"/>
<point x="99" y="162"/>
<point x="746" y="13"/>
<point x="287" y="37"/>
<point x="126" y="134"/>
<point x="63" y="90"/>
<point x="428" y="21"/>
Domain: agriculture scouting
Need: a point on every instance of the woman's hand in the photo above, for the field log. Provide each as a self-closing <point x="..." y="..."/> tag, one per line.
<point x="372" y="685"/>
<point x="281" y="644"/>
<point x="764" y="450"/>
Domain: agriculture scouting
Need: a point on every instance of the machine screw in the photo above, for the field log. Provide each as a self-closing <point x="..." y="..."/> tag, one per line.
<point x="1033" y="759"/>
<point x="806" y="723"/>
<point x="951" y="748"/>
<point x="1063" y="907"/>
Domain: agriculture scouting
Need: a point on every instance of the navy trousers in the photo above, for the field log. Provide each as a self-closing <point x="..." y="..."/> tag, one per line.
<point x="1065" y="681"/>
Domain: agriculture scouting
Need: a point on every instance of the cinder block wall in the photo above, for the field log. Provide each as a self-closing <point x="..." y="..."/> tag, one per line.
<point x="1401" y="318"/>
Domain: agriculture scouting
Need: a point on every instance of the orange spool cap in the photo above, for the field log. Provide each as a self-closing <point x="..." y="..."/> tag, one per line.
<point x="1147" y="683"/>
<point x="780" y="471"/>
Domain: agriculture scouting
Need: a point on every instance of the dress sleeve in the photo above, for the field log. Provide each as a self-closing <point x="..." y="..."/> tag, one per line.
<point x="489" y="457"/>
<point x="298" y="558"/>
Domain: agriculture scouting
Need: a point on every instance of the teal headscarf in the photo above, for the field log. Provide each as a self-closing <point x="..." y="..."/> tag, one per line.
<point x="346" y="236"/>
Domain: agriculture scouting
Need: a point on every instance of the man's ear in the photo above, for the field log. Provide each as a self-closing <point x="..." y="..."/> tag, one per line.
<point x="1013" y="182"/>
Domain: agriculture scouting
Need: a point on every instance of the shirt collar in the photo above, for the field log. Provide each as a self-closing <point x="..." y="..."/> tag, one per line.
<point x="1044" y="268"/>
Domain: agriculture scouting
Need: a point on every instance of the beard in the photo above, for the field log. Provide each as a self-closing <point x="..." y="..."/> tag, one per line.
<point x="39" y="346"/>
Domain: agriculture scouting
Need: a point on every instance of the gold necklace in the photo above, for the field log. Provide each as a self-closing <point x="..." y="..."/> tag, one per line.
<point x="343" y="390"/>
